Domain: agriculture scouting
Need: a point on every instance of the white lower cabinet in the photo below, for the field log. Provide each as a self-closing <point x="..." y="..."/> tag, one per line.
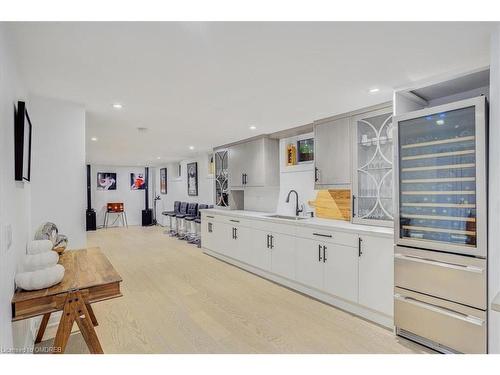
<point x="224" y="243"/>
<point x="376" y="273"/>
<point x="274" y="252"/>
<point x="209" y="236"/>
<point x="227" y="239"/>
<point x="354" y="268"/>
<point x="261" y="252"/>
<point x="329" y="267"/>
<point x="243" y="244"/>
<point x="309" y="262"/>
<point x="341" y="271"/>
<point x="283" y="255"/>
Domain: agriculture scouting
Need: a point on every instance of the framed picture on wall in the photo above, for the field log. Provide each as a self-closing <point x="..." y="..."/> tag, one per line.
<point x="22" y="143"/>
<point x="192" y="179"/>
<point x="163" y="180"/>
<point x="137" y="181"/>
<point x="106" y="181"/>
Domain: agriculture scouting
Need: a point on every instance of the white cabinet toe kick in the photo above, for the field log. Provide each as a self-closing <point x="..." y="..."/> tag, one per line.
<point x="351" y="271"/>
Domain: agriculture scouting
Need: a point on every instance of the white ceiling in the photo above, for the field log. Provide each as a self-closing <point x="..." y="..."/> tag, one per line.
<point x="204" y="84"/>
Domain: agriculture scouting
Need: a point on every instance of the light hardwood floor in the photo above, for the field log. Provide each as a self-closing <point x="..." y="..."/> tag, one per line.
<point x="178" y="300"/>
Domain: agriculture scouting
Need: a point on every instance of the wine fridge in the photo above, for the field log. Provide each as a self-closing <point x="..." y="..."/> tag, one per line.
<point x="440" y="226"/>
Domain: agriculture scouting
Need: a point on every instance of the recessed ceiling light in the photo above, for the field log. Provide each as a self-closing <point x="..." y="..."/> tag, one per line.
<point x="374" y="90"/>
<point x="252" y="127"/>
<point x="158" y="157"/>
<point x="439" y="122"/>
<point x="117" y="106"/>
<point x="93" y="139"/>
<point x="191" y="147"/>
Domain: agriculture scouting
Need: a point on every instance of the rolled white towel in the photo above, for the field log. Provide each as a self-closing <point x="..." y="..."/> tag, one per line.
<point x="40" y="279"/>
<point x="39" y="261"/>
<point x="39" y="246"/>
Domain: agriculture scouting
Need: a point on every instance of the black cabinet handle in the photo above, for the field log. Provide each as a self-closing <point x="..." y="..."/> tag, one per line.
<point x="322" y="235"/>
<point x="353" y="199"/>
<point x="268" y="241"/>
<point x="232" y="229"/>
<point x="245" y="178"/>
<point x="272" y="239"/>
<point x="360" y="252"/>
<point x="211" y="217"/>
<point x="319" y="253"/>
<point x="235" y="233"/>
<point x="210" y="230"/>
<point x="316" y="178"/>
<point x="324" y="254"/>
<point x="234" y="221"/>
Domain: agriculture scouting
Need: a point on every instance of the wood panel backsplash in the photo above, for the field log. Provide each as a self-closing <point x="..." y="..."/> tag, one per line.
<point x="333" y="204"/>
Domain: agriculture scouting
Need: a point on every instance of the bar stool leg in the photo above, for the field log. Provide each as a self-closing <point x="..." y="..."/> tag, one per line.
<point x="126" y="220"/>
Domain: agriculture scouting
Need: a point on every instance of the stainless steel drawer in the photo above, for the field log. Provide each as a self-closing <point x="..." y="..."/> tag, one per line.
<point x="452" y="277"/>
<point x="455" y="326"/>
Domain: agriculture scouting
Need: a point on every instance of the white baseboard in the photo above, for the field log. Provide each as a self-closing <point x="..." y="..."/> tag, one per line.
<point x="351" y="307"/>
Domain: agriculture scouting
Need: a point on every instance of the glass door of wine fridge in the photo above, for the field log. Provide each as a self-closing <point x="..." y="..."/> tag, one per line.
<point x="440" y="177"/>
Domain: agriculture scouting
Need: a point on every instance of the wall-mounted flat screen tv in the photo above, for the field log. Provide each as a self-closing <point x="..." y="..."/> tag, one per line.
<point x="22" y="143"/>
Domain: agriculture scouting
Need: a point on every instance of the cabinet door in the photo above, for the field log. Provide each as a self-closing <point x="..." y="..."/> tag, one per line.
<point x="242" y="250"/>
<point x="254" y="168"/>
<point x="341" y="271"/>
<point x="283" y="255"/>
<point x="261" y="251"/>
<point x="208" y="240"/>
<point x="236" y="165"/>
<point x="376" y="274"/>
<point x="309" y="263"/>
<point x="223" y="242"/>
<point x="372" y="167"/>
<point x="332" y="153"/>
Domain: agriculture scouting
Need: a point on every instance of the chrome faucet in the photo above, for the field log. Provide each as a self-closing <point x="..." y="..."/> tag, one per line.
<point x="297" y="209"/>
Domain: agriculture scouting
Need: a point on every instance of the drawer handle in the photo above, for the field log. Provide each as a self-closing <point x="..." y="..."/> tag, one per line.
<point x="440" y="310"/>
<point x="234" y="221"/>
<point x="439" y="264"/>
<point x="211" y="217"/>
<point x="323" y="235"/>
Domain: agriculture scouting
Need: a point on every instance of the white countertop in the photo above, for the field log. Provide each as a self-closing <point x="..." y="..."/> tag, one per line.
<point x="341" y="225"/>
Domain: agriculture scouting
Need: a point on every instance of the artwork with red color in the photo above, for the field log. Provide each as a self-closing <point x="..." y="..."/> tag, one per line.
<point x="137" y="181"/>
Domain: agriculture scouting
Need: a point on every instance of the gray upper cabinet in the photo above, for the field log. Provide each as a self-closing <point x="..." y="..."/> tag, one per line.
<point x="237" y="155"/>
<point x="332" y="153"/>
<point x="254" y="163"/>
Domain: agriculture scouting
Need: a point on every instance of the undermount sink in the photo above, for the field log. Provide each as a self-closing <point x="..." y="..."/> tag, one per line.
<point x="287" y="217"/>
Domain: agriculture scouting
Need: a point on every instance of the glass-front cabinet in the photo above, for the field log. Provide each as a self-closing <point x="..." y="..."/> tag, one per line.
<point x="221" y="178"/>
<point x="373" y="163"/>
<point x="441" y="182"/>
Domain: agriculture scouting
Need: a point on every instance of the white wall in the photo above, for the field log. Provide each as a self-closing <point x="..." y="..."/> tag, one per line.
<point x="133" y="200"/>
<point x="177" y="187"/>
<point x="14" y="200"/>
<point x="494" y="187"/>
<point x="58" y="182"/>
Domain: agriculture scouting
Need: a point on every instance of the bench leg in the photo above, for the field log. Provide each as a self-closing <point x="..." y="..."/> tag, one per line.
<point x="91" y="315"/>
<point x="41" y="329"/>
